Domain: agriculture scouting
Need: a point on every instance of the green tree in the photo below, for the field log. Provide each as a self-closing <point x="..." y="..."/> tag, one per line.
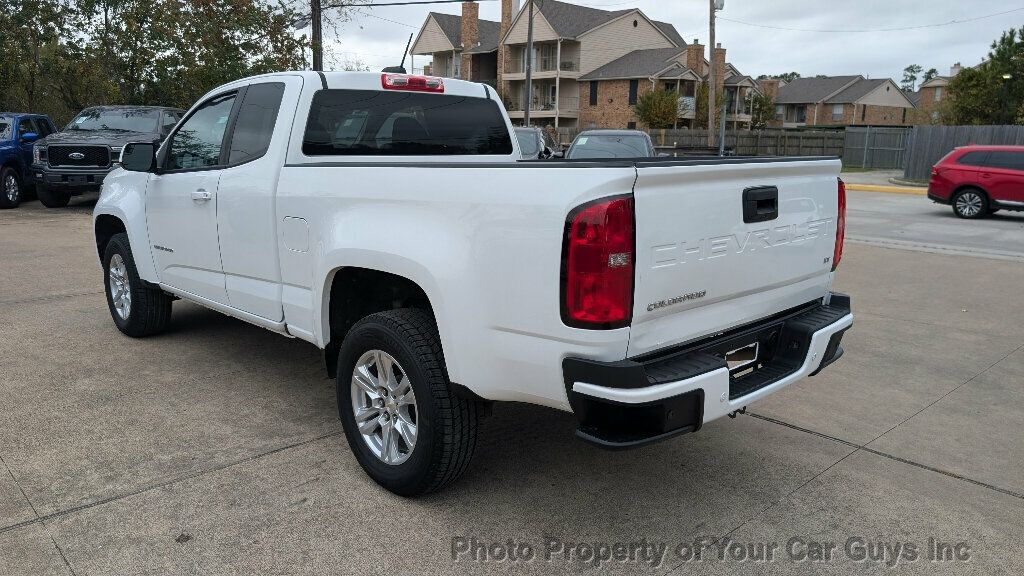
<point x="700" y="117"/>
<point x="931" y="73"/>
<point x="910" y="73"/>
<point x="658" y="108"/>
<point x="788" y="76"/>
<point x="762" y="111"/>
<point x="993" y="92"/>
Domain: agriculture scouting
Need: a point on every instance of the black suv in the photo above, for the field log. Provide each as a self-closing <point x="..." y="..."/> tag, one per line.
<point x="77" y="159"/>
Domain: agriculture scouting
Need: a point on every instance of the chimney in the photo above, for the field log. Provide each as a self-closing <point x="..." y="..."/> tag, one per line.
<point x="955" y="69"/>
<point x="509" y="9"/>
<point x="770" y="87"/>
<point x="470" y="36"/>
<point x="719" y="56"/>
<point x="695" y="57"/>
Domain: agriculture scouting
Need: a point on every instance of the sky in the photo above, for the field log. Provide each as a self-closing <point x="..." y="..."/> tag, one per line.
<point x="845" y="37"/>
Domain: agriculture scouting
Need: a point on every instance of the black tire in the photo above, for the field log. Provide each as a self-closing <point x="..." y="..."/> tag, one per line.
<point x="970" y="204"/>
<point x="11" y="188"/>
<point x="149" y="311"/>
<point x="446" y="423"/>
<point x="53" y="198"/>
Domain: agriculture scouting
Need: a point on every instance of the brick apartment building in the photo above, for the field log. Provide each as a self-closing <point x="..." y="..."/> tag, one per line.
<point x="930" y="97"/>
<point x="589" y="65"/>
<point x="842" y="101"/>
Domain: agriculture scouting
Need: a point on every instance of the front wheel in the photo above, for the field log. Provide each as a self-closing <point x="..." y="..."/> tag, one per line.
<point x="407" y="428"/>
<point x="970" y="204"/>
<point x="137" y="309"/>
<point x="10" y="188"/>
<point x="52" y="198"/>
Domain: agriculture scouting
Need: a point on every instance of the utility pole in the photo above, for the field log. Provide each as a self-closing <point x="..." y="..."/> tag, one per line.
<point x="529" y="66"/>
<point x="318" y="36"/>
<point x="711" y="78"/>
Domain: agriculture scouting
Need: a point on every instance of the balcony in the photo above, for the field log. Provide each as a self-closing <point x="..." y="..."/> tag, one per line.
<point x="544" y="107"/>
<point x="544" y="67"/>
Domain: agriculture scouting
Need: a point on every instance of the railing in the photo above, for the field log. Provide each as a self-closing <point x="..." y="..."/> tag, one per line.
<point x="543" y="64"/>
<point x="567" y="104"/>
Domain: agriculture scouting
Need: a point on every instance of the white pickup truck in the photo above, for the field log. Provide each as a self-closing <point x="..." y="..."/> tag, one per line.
<point x="388" y="220"/>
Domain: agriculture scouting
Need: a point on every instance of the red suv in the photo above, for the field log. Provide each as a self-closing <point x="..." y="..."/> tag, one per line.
<point x="980" y="180"/>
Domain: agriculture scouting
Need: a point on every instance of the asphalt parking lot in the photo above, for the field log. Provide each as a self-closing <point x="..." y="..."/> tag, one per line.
<point x="216" y="448"/>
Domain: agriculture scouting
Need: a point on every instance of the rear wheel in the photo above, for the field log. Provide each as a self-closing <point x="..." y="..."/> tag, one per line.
<point x="970" y="203"/>
<point x="137" y="309"/>
<point x="407" y="428"/>
<point x="10" y="188"/>
<point x="53" y="198"/>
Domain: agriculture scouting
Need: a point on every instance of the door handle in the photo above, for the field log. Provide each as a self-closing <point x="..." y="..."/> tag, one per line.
<point x="986" y="175"/>
<point x="201" y="195"/>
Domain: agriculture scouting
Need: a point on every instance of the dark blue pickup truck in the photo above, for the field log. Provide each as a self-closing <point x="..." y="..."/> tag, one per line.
<point x="18" y="132"/>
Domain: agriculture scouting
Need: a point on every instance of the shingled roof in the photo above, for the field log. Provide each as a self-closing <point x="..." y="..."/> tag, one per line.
<point x="451" y="25"/>
<point x="809" y="90"/>
<point x="636" y="64"/>
<point x="573" y="20"/>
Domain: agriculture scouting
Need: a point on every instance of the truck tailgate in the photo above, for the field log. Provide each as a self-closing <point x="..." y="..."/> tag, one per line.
<point x="704" y="264"/>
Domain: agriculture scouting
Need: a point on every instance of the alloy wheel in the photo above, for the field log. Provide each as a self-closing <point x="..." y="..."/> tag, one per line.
<point x="384" y="406"/>
<point x="969" y="204"/>
<point x="11" y="188"/>
<point x="120" y="288"/>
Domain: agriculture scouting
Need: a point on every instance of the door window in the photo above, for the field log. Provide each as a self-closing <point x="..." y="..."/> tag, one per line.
<point x="254" y="127"/>
<point x="170" y="118"/>
<point x="1006" y="160"/>
<point x="25" y="126"/>
<point x="199" y="141"/>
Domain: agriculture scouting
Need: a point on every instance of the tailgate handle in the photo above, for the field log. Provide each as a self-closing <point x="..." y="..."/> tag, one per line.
<point x="760" y="204"/>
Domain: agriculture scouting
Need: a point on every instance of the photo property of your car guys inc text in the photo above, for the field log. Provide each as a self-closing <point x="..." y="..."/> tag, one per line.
<point x="443" y="287"/>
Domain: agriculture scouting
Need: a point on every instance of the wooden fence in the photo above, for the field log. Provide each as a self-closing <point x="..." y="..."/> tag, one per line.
<point x="875" y="147"/>
<point x="928" y="144"/>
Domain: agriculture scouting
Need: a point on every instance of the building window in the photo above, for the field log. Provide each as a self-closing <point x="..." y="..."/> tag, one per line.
<point x="670" y="86"/>
<point x="593" y="93"/>
<point x="938" y="93"/>
<point x="634" y="87"/>
<point x="904" y="116"/>
<point x="780" y="112"/>
<point x="801" y="114"/>
<point x="837" y="112"/>
<point x="863" y="112"/>
<point x="631" y="125"/>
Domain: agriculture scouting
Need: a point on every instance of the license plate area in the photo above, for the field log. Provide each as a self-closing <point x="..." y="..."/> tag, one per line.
<point x="743" y="360"/>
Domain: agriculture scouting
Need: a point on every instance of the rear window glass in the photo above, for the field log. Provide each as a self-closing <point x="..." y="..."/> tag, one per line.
<point x="608" y="146"/>
<point x="375" y="123"/>
<point x="973" y="159"/>
<point x="6" y="132"/>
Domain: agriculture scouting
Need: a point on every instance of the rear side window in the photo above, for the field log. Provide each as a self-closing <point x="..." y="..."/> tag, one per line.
<point x="255" y="124"/>
<point x="1006" y="160"/>
<point x="973" y="159"/>
<point x="374" y="123"/>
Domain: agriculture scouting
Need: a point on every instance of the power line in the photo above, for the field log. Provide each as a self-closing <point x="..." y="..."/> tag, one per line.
<point x="865" y="31"/>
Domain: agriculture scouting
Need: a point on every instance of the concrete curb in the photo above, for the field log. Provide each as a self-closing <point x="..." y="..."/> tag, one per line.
<point x="887" y="189"/>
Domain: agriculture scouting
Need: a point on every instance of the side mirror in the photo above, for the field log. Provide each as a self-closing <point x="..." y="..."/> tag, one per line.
<point x="139" y="157"/>
<point x="29" y="137"/>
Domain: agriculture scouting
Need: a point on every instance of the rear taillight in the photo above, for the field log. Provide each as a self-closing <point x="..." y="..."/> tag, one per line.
<point x="597" y="265"/>
<point x="412" y="83"/>
<point x="840" y="227"/>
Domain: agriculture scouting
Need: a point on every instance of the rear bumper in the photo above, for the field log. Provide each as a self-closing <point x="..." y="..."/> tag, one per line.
<point x="635" y="402"/>
<point x="73" y="180"/>
<point x="936" y="198"/>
